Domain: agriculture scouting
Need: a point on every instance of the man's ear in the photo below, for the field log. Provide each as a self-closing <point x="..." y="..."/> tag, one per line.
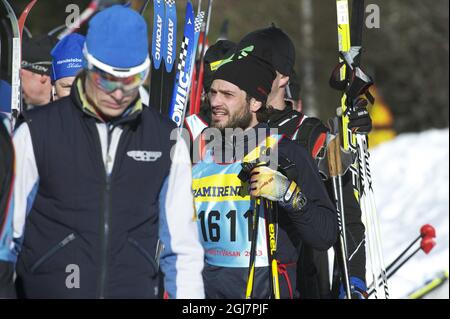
<point x="284" y="81"/>
<point x="255" y="105"/>
<point x="44" y="79"/>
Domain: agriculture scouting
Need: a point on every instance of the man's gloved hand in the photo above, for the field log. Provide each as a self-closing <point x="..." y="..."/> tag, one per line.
<point x="358" y="289"/>
<point x="272" y="185"/>
<point x="268" y="183"/>
<point x="359" y="118"/>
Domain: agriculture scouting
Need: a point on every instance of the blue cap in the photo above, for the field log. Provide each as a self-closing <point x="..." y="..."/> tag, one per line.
<point x="117" y="39"/>
<point x="5" y="97"/>
<point x="67" y="56"/>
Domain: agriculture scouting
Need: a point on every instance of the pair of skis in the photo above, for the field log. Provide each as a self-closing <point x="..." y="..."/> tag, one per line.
<point x="353" y="82"/>
<point x="171" y="88"/>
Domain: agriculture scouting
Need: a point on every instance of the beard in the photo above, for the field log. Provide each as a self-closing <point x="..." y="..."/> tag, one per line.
<point x="240" y="119"/>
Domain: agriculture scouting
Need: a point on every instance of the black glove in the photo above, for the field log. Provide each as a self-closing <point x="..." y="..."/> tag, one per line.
<point x="359" y="118"/>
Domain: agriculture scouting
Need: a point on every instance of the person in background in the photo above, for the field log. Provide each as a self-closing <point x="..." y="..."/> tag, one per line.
<point x="35" y="71"/>
<point x="67" y="62"/>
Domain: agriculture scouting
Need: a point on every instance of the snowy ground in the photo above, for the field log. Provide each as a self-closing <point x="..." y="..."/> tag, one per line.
<point x="411" y="185"/>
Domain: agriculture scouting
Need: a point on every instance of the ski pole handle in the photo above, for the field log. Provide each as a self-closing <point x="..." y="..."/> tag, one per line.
<point x="333" y="165"/>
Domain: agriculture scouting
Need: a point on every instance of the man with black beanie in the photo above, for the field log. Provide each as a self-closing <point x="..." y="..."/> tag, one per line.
<point x="246" y="167"/>
<point x="196" y="123"/>
<point x="36" y="69"/>
<point x="275" y="46"/>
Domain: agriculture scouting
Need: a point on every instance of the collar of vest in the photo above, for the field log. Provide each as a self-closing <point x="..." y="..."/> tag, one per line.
<point x="81" y="101"/>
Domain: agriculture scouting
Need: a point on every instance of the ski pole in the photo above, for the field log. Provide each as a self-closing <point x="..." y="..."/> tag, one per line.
<point x="335" y="168"/>
<point x="244" y="176"/>
<point x="142" y="9"/>
<point x="425" y="231"/>
<point x="270" y="216"/>
<point x="254" y="239"/>
<point x="426" y="245"/>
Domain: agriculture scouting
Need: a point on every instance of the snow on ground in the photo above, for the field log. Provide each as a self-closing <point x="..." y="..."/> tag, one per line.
<point x="411" y="185"/>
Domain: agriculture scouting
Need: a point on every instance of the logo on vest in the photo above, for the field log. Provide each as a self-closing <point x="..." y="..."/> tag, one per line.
<point x="144" y="156"/>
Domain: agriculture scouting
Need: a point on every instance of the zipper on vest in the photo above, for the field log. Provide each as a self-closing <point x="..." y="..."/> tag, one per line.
<point x="52" y="251"/>
<point x="106" y="219"/>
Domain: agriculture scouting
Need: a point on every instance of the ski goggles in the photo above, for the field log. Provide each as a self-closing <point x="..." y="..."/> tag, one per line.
<point x="110" y="83"/>
<point x="109" y="79"/>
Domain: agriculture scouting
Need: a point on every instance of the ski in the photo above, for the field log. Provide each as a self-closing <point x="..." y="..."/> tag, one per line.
<point x="24" y="15"/>
<point x="194" y="70"/>
<point x="186" y="62"/>
<point x="157" y="54"/>
<point x="197" y="89"/>
<point x="430" y="286"/>
<point x="169" y="54"/>
<point x="15" y="56"/>
<point x="349" y="78"/>
<point x="359" y="85"/>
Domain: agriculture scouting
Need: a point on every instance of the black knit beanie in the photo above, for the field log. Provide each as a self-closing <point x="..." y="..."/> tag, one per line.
<point x="251" y="74"/>
<point x="36" y="55"/>
<point x="273" y="45"/>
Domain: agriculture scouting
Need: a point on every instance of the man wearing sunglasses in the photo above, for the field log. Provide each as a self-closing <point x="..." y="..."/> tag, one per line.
<point x="103" y="194"/>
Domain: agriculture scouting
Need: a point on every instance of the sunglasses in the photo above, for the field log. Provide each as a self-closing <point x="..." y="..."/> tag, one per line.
<point x="110" y="83"/>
